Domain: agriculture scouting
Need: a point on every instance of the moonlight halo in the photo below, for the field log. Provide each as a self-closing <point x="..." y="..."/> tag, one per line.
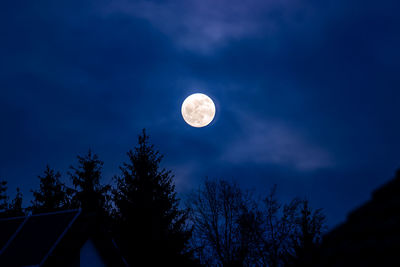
<point x="198" y="110"/>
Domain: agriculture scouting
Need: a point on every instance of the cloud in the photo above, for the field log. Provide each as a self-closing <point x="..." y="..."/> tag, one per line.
<point x="274" y="143"/>
<point x="205" y="25"/>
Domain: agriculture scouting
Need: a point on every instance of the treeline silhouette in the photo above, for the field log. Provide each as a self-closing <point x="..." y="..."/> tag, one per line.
<point x="220" y="224"/>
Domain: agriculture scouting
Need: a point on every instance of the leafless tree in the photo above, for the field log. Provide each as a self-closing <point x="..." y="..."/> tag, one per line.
<point x="224" y="220"/>
<point x="232" y="228"/>
<point x="280" y="224"/>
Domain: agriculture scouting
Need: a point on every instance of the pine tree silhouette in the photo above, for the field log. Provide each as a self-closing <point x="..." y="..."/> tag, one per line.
<point x="89" y="194"/>
<point x="53" y="195"/>
<point x="3" y="195"/>
<point x="15" y="208"/>
<point x="151" y="226"/>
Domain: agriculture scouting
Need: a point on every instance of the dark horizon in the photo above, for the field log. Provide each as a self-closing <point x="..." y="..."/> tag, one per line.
<point x="307" y="93"/>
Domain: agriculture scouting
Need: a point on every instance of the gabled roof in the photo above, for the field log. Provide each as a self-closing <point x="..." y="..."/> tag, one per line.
<point x="53" y="239"/>
<point x="30" y="240"/>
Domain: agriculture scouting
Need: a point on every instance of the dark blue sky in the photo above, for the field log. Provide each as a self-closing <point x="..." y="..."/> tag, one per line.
<point x="307" y="92"/>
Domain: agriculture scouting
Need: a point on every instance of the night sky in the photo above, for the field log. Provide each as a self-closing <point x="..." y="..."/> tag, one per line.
<point x="307" y="92"/>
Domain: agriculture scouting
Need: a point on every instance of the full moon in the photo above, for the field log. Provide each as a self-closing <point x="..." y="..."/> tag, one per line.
<point x="198" y="110"/>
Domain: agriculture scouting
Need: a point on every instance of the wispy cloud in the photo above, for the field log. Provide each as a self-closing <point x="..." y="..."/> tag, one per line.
<point x="204" y="25"/>
<point x="272" y="142"/>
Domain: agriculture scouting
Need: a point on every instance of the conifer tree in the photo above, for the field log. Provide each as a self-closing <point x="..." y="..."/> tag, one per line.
<point x="3" y="195"/>
<point x="53" y="195"/>
<point x="149" y="219"/>
<point x="15" y="207"/>
<point x="89" y="194"/>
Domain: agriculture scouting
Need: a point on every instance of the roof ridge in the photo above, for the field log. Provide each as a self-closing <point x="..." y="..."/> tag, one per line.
<point x="39" y="214"/>
<point x="55" y="212"/>
<point x="13" y="218"/>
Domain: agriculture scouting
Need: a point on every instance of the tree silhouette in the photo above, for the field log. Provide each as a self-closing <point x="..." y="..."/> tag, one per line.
<point x="251" y="229"/>
<point x="15" y="207"/>
<point x="149" y="220"/>
<point x="227" y="224"/>
<point x="3" y="195"/>
<point x="233" y="228"/>
<point x="12" y="209"/>
<point x="53" y="195"/>
<point x="307" y="235"/>
<point x="89" y="194"/>
<point x="280" y="224"/>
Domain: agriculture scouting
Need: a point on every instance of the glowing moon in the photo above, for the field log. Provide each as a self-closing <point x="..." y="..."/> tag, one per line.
<point x="198" y="110"/>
